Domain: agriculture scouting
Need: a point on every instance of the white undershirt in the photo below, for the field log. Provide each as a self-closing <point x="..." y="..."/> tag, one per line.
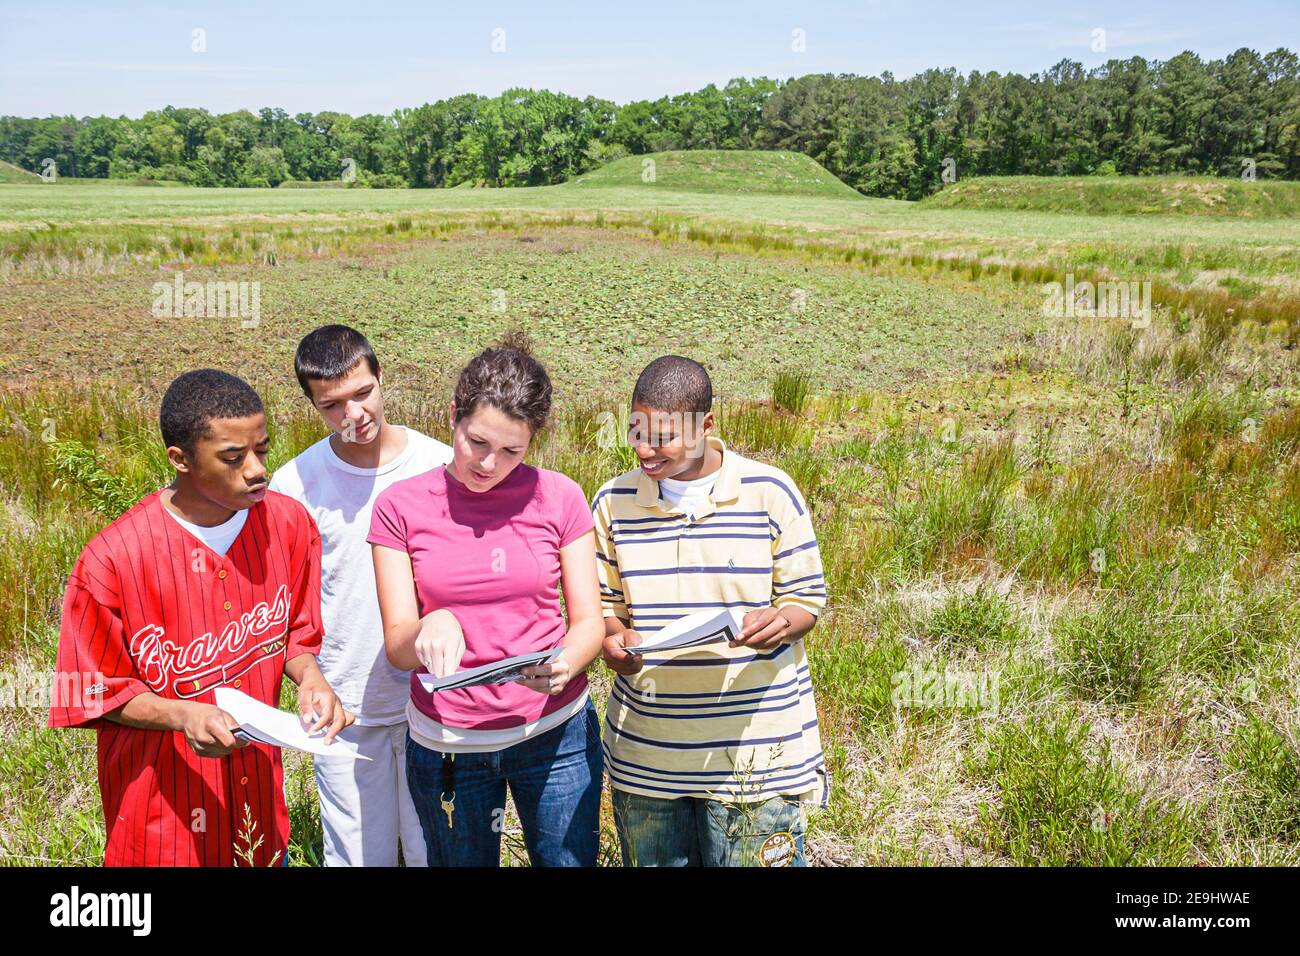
<point x="688" y="495"/>
<point x="432" y="735"/>
<point x="218" y="537"/>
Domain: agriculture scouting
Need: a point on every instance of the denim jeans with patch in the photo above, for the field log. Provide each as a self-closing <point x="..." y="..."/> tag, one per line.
<point x="555" y="782"/>
<point x="693" y="831"/>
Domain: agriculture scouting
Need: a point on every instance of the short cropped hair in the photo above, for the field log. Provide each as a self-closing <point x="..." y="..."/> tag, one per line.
<point x="194" y="399"/>
<point x="672" y="383"/>
<point x="329" y="353"/>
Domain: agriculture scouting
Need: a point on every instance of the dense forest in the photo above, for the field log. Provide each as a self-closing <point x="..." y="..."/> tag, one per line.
<point x="883" y="136"/>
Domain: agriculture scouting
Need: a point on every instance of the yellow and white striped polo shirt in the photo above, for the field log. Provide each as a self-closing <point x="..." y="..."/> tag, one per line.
<point x="721" y="722"/>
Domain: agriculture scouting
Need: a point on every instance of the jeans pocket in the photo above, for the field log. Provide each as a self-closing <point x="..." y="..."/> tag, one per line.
<point x="781" y="833"/>
<point x="767" y="833"/>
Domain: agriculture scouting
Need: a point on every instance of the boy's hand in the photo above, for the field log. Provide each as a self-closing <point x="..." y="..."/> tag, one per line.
<point x="763" y="630"/>
<point x="320" y="707"/>
<point x="441" y="643"/>
<point x="207" y="730"/>
<point x="617" y="658"/>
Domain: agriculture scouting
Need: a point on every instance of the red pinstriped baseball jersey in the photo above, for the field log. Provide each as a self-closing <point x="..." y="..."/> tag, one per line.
<point x="149" y="607"/>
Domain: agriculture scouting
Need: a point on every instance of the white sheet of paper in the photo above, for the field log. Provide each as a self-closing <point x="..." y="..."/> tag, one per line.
<point x="279" y="728"/>
<point x="694" y="630"/>
<point x="498" y="672"/>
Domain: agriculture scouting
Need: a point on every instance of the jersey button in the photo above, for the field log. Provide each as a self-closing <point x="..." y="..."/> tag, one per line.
<point x="236" y="682"/>
<point x="226" y="606"/>
<point x="222" y="574"/>
<point x="243" y="781"/>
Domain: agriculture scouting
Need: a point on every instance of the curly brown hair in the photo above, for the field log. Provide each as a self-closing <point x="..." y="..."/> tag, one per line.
<point x="507" y="377"/>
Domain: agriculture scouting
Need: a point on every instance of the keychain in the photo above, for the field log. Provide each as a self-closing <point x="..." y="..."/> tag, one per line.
<point x="448" y="798"/>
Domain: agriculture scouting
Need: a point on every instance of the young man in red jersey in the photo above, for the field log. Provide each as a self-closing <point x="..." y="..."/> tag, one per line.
<point x="213" y="581"/>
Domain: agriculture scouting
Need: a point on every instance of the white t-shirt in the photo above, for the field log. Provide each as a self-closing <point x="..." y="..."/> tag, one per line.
<point x="218" y="537"/>
<point x="340" y="497"/>
<point x="687" y="495"/>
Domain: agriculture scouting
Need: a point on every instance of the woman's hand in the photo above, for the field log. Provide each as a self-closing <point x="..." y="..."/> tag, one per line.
<point x="549" y="678"/>
<point x="440" y="644"/>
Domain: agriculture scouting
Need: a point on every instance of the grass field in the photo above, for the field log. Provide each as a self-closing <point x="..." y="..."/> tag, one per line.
<point x="720" y="172"/>
<point x="1125" y="195"/>
<point x="1250" y="266"/>
<point x="9" y="173"/>
<point x="1062" y="552"/>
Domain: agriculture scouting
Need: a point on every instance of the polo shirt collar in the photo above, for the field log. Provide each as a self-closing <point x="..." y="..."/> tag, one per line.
<point x="726" y="488"/>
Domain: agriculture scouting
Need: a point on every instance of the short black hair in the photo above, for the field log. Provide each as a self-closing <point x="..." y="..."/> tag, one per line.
<point x="329" y="353"/>
<point x="672" y="383"/>
<point x="194" y="398"/>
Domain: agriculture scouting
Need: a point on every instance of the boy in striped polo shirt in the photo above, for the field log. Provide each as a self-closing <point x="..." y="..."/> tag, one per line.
<point x="711" y="751"/>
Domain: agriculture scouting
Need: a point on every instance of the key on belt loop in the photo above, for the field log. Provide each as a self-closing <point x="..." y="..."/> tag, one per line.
<point x="448" y="798"/>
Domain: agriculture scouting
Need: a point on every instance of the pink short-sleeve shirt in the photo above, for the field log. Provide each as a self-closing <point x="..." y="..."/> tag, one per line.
<point x="493" y="560"/>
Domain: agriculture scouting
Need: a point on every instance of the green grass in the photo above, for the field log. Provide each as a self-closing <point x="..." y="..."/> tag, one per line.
<point x="708" y="198"/>
<point x="980" y="619"/>
<point x="9" y="173"/>
<point x="1061" y="799"/>
<point x="12" y="174"/>
<point x="790" y="391"/>
<point x="1216" y="637"/>
<point x="112" y="230"/>
<point x="310" y="184"/>
<point x="1115" y="654"/>
<point x="16" y="175"/>
<point x="599" y="307"/>
<point x="719" y="172"/>
<point x="1266" y="760"/>
<point x="1124" y="195"/>
<point x="1103" y="522"/>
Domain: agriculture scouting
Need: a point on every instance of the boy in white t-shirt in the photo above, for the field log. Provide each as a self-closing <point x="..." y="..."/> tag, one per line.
<point x="365" y="806"/>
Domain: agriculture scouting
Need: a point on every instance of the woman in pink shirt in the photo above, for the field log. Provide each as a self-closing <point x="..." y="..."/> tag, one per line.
<point x="468" y="557"/>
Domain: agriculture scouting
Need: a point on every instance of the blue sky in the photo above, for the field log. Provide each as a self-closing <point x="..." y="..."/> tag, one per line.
<point x="373" y="55"/>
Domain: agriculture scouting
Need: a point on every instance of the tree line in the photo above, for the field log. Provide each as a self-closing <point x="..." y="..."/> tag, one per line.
<point x="883" y="136"/>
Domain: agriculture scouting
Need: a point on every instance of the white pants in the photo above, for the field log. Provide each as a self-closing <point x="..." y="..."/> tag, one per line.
<point x="365" y="806"/>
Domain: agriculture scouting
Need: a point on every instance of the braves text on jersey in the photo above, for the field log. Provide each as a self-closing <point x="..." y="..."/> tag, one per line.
<point x="149" y="607"/>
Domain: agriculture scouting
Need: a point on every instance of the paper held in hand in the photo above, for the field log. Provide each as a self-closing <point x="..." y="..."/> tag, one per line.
<point x="498" y="672"/>
<point x="694" y="630"/>
<point x="267" y="725"/>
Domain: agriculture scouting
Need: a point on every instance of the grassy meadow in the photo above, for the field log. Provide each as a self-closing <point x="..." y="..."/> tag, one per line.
<point x="1125" y="195"/>
<point x="1062" y="552"/>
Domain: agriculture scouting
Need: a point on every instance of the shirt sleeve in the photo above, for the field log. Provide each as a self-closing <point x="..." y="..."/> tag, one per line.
<point x="387" y="525"/>
<point x="576" y="517"/>
<point x="94" y="671"/>
<point x="612" y="599"/>
<point x="305" y="627"/>
<point x="797" y="576"/>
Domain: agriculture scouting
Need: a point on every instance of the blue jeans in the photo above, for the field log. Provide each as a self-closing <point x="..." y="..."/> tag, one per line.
<point x="554" y="780"/>
<point x="693" y="831"/>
